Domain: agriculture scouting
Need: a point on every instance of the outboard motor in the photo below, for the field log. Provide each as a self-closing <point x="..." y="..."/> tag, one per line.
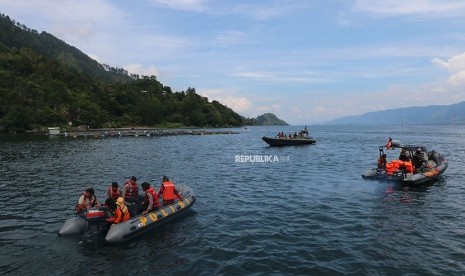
<point x="96" y="218"/>
<point x="92" y="218"/>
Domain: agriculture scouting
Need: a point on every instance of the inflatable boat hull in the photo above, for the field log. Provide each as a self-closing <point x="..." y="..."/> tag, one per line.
<point x="135" y="226"/>
<point x="127" y="230"/>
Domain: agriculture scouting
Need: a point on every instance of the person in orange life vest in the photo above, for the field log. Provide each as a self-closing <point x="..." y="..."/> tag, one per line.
<point x="87" y="200"/>
<point x="168" y="191"/>
<point x="114" y="191"/>
<point x="131" y="190"/>
<point x="121" y="212"/>
<point x="151" y="198"/>
<point x="382" y="162"/>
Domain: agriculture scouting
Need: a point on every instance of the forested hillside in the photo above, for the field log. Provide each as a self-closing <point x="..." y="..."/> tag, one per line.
<point x="41" y="87"/>
<point x="267" y="119"/>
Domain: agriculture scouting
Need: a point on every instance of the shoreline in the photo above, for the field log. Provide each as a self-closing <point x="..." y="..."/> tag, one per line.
<point x="137" y="132"/>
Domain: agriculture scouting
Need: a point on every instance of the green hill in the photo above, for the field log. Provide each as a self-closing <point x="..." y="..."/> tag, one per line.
<point x="45" y="82"/>
<point x="267" y="119"/>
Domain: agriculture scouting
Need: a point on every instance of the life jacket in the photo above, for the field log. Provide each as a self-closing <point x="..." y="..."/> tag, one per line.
<point x="114" y="194"/>
<point x="86" y="204"/>
<point x="124" y="212"/>
<point x="156" y="202"/>
<point x="132" y="191"/>
<point x="397" y="164"/>
<point x="390" y="168"/>
<point x="408" y="166"/>
<point x="168" y="191"/>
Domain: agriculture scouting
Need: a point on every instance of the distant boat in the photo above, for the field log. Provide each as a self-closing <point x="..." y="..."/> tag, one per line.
<point x="407" y="169"/>
<point x="281" y="142"/>
<point x="297" y="140"/>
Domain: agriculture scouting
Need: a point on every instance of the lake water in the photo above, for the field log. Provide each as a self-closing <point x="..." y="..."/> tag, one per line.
<point x="307" y="213"/>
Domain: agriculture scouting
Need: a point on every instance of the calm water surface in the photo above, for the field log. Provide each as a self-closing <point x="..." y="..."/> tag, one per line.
<point x="311" y="213"/>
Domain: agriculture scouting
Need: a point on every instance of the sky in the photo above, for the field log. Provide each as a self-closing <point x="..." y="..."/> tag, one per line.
<point x="306" y="61"/>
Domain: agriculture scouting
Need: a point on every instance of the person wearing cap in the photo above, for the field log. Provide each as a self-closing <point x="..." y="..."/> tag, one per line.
<point x="87" y="200"/>
<point x="168" y="191"/>
<point x="114" y="191"/>
<point x="151" y="198"/>
<point x="121" y="212"/>
<point x="131" y="190"/>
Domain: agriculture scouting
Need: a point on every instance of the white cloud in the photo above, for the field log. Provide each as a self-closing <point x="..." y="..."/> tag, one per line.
<point x="426" y="8"/>
<point x="238" y="104"/>
<point x="188" y="5"/>
<point x="456" y="65"/>
<point x="229" y="97"/>
<point x="137" y="68"/>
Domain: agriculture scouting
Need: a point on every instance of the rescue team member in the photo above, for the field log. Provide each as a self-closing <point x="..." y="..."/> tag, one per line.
<point x="131" y="190"/>
<point x="151" y="199"/>
<point x="168" y="191"/>
<point x="121" y="212"/>
<point x="382" y="161"/>
<point x="114" y="191"/>
<point x="87" y="200"/>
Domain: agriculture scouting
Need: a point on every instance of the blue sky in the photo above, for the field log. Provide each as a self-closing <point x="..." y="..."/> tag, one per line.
<point x="307" y="61"/>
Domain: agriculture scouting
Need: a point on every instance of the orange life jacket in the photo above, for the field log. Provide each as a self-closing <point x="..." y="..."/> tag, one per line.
<point x="121" y="214"/>
<point x="408" y="166"/>
<point x="132" y="191"/>
<point x="114" y="194"/>
<point x="156" y="203"/>
<point x="390" y="168"/>
<point x="168" y="191"/>
<point x="397" y="164"/>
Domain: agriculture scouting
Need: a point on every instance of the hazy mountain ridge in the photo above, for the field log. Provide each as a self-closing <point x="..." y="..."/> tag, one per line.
<point x="453" y="114"/>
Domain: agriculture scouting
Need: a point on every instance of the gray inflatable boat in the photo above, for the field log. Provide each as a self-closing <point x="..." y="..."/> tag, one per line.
<point x="94" y="219"/>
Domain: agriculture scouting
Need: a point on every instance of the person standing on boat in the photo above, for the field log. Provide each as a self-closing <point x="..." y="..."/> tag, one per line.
<point x="121" y="212"/>
<point x="151" y="199"/>
<point x="114" y="191"/>
<point x="382" y="161"/>
<point x="87" y="200"/>
<point x="168" y="191"/>
<point x="131" y="190"/>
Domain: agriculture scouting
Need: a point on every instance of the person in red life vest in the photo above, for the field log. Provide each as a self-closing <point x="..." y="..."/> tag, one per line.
<point x="121" y="212"/>
<point x="168" y="191"/>
<point x="114" y="191"/>
<point x="131" y="190"/>
<point x="151" y="198"/>
<point x="87" y="200"/>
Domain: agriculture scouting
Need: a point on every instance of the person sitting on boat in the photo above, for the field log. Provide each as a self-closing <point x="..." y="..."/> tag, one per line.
<point x="114" y="191"/>
<point x="168" y="191"/>
<point x="403" y="156"/>
<point x="121" y="212"/>
<point x="418" y="159"/>
<point x="295" y="135"/>
<point x="87" y="200"/>
<point x="151" y="201"/>
<point x="131" y="190"/>
<point x="382" y="162"/>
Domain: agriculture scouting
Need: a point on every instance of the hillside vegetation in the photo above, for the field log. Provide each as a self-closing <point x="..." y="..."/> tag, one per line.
<point x="45" y="82"/>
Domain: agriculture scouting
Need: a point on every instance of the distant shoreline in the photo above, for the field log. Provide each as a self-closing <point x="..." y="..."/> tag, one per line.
<point x="138" y="132"/>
